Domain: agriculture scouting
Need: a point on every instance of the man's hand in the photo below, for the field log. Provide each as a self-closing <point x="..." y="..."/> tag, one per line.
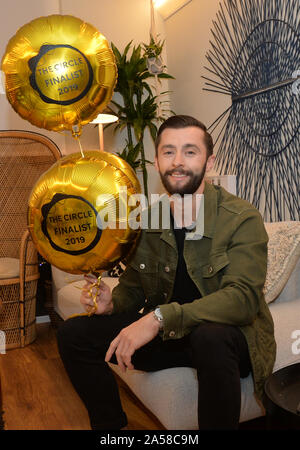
<point x="132" y="338"/>
<point x="103" y="299"/>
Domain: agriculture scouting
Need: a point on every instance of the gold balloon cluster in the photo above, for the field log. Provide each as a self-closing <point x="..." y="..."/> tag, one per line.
<point x="60" y="73"/>
<point x="78" y="213"/>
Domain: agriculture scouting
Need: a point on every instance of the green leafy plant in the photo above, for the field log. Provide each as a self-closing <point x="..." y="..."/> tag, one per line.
<point x="153" y="49"/>
<point x="138" y="109"/>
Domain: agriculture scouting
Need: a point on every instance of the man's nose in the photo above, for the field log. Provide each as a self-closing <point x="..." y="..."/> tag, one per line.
<point x="178" y="160"/>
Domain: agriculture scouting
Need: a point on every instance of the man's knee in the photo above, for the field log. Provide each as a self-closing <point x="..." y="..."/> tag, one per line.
<point x="68" y="333"/>
<point x="211" y="342"/>
<point x="94" y="332"/>
<point x="210" y="333"/>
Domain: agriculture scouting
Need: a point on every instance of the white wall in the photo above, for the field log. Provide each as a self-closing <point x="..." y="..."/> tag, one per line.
<point x="187" y="39"/>
<point x="15" y="14"/>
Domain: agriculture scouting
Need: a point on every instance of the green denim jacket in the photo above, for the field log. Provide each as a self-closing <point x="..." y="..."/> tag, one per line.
<point x="228" y="265"/>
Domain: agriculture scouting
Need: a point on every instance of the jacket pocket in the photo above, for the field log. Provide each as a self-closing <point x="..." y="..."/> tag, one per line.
<point x="145" y="265"/>
<point x="215" y="264"/>
<point x="212" y="272"/>
<point x="148" y="272"/>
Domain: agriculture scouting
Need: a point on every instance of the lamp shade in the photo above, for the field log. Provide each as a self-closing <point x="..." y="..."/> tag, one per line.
<point x="100" y="120"/>
<point x="105" y="118"/>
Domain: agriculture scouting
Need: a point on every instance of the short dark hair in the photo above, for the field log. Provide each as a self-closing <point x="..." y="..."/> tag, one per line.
<point x="182" y="121"/>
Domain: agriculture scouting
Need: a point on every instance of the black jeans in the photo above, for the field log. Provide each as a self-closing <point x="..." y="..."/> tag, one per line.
<point x="218" y="352"/>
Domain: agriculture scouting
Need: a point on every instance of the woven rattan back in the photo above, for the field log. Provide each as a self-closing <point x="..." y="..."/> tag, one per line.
<point x="24" y="156"/>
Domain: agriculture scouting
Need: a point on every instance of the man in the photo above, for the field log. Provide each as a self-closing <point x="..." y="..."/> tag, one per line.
<point x="202" y="298"/>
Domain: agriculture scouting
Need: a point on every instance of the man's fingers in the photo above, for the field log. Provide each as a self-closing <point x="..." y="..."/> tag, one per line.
<point x="103" y="286"/>
<point x="120" y="363"/>
<point x="123" y="353"/>
<point x="89" y="291"/>
<point x="129" y="364"/>
<point x="115" y="347"/>
<point x="111" y="349"/>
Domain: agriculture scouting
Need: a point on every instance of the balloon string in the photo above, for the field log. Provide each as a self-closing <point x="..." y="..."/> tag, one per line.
<point x="157" y="96"/>
<point x="81" y="151"/>
<point x="93" y="308"/>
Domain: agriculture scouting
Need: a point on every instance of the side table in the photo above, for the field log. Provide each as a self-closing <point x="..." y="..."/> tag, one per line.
<point x="282" y="391"/>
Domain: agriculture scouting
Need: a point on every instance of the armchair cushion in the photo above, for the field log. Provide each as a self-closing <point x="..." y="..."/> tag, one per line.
<point x="283" y="254"/>
<point x="64" y="278"/>
<point x="9" y="268"/>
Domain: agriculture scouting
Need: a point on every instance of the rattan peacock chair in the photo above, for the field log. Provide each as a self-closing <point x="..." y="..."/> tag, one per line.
<point x="24" y="156"/>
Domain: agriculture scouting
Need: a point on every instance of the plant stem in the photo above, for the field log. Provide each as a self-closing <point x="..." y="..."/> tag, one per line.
<point x="143" y="165"/>
<point x="129" y="133"/>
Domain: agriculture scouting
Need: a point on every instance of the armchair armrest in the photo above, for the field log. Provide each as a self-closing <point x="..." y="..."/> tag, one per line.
<point x="29" y="270"/>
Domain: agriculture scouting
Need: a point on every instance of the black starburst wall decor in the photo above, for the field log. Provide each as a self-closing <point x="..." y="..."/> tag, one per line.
<point x="255" y="59"/>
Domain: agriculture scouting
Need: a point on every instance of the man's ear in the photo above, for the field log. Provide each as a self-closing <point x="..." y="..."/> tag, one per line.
<point x="210" y="163"/>
<point x="156" y="164"/>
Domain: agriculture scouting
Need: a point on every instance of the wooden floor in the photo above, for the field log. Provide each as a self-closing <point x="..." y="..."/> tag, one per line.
<point x="37" y="394"/>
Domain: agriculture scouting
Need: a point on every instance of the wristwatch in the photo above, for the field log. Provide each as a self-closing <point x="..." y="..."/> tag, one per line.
<point x="158" y="316"/>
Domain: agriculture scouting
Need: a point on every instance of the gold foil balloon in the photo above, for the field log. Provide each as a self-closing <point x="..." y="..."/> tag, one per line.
<point x="60" y="73"/>
<point x="79" y="212"/>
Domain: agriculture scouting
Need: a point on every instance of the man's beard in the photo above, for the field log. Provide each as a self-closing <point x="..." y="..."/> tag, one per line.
<point x="189" y="187"/>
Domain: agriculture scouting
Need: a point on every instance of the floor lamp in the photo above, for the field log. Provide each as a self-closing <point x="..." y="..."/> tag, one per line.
<point x="100" y="120"/>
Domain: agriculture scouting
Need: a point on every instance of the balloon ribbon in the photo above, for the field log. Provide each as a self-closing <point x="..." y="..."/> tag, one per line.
<point x="93" y="308"/>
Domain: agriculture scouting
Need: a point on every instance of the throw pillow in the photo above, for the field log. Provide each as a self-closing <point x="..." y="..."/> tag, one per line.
<point x="283" y="254"/>
<point x="9" y="268"/>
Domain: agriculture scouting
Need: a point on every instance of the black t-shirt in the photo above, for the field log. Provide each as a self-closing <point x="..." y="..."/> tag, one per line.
<point x="185" y="290"/>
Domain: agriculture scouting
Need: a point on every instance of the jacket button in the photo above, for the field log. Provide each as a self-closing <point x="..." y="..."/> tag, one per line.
<point x="167" y="269"/>
<point x="172" y="333"/>
<point x="142" y="266"/>
<point x="210" y="269"/>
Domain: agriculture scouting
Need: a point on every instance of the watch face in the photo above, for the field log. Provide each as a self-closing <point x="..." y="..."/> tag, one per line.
<point x="158" y="314"/>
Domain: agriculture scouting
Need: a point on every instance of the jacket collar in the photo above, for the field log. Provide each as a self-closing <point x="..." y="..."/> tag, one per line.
<point x="210" y="209"/>
<point x="210" y="214"/>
